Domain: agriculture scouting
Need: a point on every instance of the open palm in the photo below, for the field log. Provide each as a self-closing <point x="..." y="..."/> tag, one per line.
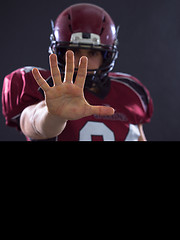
<point x="66" y="99"/>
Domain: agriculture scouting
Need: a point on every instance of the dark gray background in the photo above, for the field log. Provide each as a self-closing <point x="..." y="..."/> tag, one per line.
<point x="149" y="49"/>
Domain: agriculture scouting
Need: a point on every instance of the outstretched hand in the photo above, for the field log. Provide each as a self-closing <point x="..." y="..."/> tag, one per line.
<point x="66" y="99"/>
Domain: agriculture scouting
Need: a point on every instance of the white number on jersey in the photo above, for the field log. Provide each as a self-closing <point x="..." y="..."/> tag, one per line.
<point x="99" y="129"/>
<point x="91" y="129"/>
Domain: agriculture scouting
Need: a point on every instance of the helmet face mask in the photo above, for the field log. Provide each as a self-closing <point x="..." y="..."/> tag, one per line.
<point x="73" y="30"/>
<point x="109" y="55"/>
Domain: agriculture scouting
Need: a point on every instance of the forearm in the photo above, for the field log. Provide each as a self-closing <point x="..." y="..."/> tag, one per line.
<point x="37" y="123"/>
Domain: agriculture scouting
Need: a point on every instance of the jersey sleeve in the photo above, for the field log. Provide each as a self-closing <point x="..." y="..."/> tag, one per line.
<point x="150" y="108"/>
<point x="19" y="91"/>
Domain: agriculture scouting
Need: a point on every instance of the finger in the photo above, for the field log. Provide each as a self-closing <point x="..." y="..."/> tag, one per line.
<point x="82" y="72"/>
<point x="102" y="110"/>
<point x="55" y="73"/>
<point x="69" y="69"/>
<point x="40" y="80"/>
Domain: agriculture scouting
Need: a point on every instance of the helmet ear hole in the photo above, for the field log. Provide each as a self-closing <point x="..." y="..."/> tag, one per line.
<point x="70" y="28"/>
<point x="102" y="30"/>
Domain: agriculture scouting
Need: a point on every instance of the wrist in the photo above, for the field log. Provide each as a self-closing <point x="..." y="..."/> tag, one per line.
<point x="55" y="117"/>
<point x="46" y="124"/>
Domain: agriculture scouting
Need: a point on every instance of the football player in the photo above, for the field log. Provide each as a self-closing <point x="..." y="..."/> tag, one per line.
<point x="79" y="99"/>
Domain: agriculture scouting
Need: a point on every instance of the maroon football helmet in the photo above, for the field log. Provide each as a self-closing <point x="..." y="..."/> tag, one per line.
<point x="85" y="26"/>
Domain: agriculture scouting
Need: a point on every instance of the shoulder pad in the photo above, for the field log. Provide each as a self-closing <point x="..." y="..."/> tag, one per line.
<point x="134" y="84"/>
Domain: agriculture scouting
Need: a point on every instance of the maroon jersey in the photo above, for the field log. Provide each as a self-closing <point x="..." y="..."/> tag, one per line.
<point x="127" y="95"/>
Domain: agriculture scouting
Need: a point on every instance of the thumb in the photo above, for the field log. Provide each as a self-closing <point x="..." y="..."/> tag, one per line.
<point x="102" y="110"/>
